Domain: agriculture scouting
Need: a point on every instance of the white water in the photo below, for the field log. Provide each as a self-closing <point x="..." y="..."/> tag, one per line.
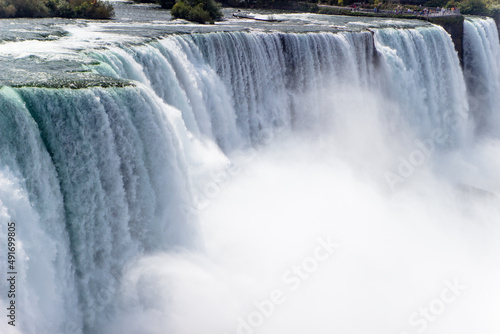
<point x="173" y="206"/>
<point x="268" y="80"/>
<point x="482" y="72"/>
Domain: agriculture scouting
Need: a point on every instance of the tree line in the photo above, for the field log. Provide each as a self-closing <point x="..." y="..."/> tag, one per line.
<point x="90" y="9"/>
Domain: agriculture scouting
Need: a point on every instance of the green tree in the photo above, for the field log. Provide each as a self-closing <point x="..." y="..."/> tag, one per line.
<point x="91" y="9"/>
<point x="167" y="4"/>
<point x="200" y="11"/>
<point x="474" y="7"/>
<point x="7" y="9"/>
<point x="30" y="8"/>
<point x="181" y="10"/>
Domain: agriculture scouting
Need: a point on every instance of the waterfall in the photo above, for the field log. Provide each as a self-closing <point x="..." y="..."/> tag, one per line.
<point x="426" y="80"/>
<point x="31" y="197"/>
<point x="256" y="82"/>
<point x="105" y="171"/>
<point x="97" y="177"/>
<point x="482" y="72"/>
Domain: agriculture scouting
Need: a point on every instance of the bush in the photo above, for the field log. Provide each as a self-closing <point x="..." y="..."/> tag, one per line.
<point x="102" y="10"/>
<point x="436" y="3"/>
<point x="213" y="8"/>
<point x="30" y="8"/>
<point x="474" y="7"/>
<point x="95" y="10"/>
<point x="166" y="4"/>
<point x="180" y="10"/>
<point x="92" y="9"/>
<point x="200" y="11"/>
<point x="60" y="8"/>
<point x="7" y="10"/>
<point x="495" y="12"/>
<point x="198" y="14"/>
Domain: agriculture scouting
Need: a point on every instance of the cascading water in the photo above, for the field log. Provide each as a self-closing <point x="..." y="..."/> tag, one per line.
<point x="482" y="72"/>
<point x="103" y="182"/>
<point x="268" y="80"/>
<point x="121" y="173"/>
<point x="426" y="80"/>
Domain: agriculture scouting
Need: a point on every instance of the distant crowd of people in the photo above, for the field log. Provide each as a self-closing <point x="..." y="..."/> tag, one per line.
<point x="401" y="10"/>
<point x="438" y="11"/>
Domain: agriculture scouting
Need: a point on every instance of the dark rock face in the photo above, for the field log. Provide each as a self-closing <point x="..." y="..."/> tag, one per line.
<point x="496" y="17"/>
<point x="454" y="25"/>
